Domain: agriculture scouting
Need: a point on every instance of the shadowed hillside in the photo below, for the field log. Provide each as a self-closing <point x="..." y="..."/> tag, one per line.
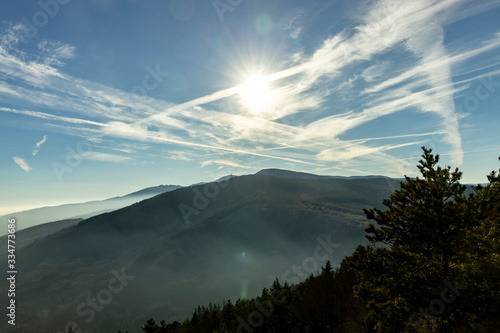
<point x="29" y="235"/>
<point x="190" y="246"/>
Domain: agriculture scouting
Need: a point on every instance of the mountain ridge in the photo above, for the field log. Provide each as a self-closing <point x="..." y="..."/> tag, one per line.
<point x="298" y="174"/>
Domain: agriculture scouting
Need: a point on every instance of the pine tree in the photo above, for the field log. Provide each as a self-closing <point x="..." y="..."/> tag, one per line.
<point x="428" y="216"/>
<point x="327" y="269"/>
<point x="150" y="327"/>
<point x="427" y="234"/>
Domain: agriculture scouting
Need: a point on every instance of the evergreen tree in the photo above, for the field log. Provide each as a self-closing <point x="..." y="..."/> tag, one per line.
<point x="150" y="327"/>
<point x="427" y="231"/>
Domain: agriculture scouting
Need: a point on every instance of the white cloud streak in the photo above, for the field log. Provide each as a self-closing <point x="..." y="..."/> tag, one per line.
<point x="38" y="144"/>
<point x="224" y="163"/>
<point x="22" y="163"/>
<point x="104" y="157"/>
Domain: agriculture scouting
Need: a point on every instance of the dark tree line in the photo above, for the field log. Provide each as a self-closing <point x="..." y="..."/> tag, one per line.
<point x="433" y="265"/>
<point x="322" y="303"/>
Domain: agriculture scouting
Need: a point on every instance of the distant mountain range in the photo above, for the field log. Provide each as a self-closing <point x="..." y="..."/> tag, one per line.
<point x="164" y="255"/>
<point x="32" y="217"/>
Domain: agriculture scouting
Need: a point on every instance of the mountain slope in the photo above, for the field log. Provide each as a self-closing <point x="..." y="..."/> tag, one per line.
<point x="29" y="235"/>
<point x="32" y="217"/>
<point x="189" y="246"/>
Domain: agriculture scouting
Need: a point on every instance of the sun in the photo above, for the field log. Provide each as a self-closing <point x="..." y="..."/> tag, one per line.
<point x="256" y="93"/>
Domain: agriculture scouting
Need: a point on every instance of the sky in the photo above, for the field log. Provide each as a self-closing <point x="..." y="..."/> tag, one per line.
<point x="100" y="98"/>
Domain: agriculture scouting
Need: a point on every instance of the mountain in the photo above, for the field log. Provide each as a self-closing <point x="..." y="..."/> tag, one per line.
<point x="303" y="175"/>
<point x="289" y="174"/>
<point x="150" y="191"/>
<point x="29" y="235"/>
<point x="221" y="179"/>
<point x="32" y="217"/>
<point x="162" y="256"/>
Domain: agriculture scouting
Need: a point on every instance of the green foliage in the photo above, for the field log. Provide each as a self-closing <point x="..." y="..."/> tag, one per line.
<point x="426" y="216"/>
<point x="431" y="234"/>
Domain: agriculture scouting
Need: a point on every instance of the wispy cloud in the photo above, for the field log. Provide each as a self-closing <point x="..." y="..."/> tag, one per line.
<point x="49" y="116"/>
<point x="293" y="24"/>
<point x="22" y="163"/>
<point x="104" y="157"/>
<point x="54" y="53"/>
<point x="180" y="155"/>
<point x="38" y="144"/>
<point x="296" y="33"/>
<point x="223" y="163"/>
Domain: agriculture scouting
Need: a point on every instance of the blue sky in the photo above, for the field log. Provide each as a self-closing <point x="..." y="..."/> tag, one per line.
<point x="104" y="97"/>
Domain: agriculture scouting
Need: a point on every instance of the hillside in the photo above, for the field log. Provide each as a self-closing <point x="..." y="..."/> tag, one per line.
<point x="189" y="246"/>
<point x="29" y="235"/>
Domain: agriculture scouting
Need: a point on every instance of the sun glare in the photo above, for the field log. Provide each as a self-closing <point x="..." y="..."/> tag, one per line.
<point x="255" y="93"/>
